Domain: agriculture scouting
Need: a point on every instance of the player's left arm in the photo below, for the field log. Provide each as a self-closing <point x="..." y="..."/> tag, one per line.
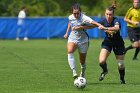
<point x="82" y="27"/>
<point x="116" y="27"/>
<point x="113" y="29"/>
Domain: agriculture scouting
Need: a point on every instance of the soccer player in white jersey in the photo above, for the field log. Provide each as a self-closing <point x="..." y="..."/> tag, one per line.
<point x="21" y="23"/>
<point x="78" y="38"/>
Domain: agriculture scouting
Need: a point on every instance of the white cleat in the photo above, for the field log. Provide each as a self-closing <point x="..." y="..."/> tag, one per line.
<point x="25" y="38"/>
<point x="17" y="38"/>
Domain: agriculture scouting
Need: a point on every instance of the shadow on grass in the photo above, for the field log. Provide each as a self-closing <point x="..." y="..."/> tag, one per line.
<point x="104" y="83"/>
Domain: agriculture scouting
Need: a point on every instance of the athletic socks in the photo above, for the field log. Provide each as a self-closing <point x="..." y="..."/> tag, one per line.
<point x="71" y="61"/>
<point x="136" y="53"/>
<point x="83" y="68"/>
<point x="104" y="67"/>
<point x="122" y="73"/>
<point x="128" y="48"/>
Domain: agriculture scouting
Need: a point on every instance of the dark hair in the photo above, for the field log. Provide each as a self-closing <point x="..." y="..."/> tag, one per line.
<point x="111" y="8"/>
<point x="76" y="6"/>
<point x="23" y="7"/>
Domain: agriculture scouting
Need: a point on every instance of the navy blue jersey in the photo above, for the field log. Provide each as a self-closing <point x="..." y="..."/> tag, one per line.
<point x="115" y="21"/>
<point x="114" y="41"/>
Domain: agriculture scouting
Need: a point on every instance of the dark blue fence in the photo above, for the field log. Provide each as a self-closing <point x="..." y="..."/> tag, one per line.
<point x="46" y="28"/>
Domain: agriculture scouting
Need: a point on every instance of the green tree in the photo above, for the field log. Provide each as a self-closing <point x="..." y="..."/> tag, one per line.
<point x="61" y="7"/>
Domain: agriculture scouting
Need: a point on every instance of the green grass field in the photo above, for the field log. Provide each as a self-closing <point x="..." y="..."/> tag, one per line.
<point x="40" y="66"/>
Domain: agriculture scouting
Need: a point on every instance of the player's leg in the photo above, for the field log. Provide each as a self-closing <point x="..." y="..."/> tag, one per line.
<point x="71" y="48"/>
<point x="83" y="48"/>
<point x="133" y="38"/>
<point x="136" y="54"/>
<point x="137" y="51"/>
<point x="119" y="53"/>
<point x="18" y="32"/>
<point x="104" y="53"/>
<point x="26" y="31"/>
<point x="121" y="67"/>
<point x="82" y="57"/>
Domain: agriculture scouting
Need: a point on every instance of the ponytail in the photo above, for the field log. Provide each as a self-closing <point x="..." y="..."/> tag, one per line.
<point x="114" y="4"/>
<point x="112" y="7"/>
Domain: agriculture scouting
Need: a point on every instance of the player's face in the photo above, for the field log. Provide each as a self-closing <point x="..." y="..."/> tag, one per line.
<point x="76" y="13"/>
<point x="136" y="4"/>
<point x="109" y="15"/>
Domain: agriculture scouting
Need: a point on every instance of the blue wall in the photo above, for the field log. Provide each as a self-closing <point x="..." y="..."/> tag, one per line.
<point x="48" y="27"/>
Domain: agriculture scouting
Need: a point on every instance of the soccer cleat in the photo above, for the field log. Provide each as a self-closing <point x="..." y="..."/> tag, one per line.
<point x="102" y="76"/>
<point x="25" y="38"/>
<point x="17" y="38"/>
<point x="135" y="58"/>
<point x="125" y="51"/>
<point x="122" y="81"/>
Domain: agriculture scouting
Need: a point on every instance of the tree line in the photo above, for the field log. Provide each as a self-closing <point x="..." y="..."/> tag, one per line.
<point x="40" y="8"/>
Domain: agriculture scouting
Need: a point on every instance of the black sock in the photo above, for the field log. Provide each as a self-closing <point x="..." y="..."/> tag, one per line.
<point x="128" y="48"/>
<point x="104" y="67"/>
<point x="136" y="52"/>
<point x="122" y="73"/>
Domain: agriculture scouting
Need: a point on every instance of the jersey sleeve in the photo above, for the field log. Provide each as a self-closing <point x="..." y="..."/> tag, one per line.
<point x="128" y="13"/>
<point x="86" y="19"/>
<point x="117" y="22"/>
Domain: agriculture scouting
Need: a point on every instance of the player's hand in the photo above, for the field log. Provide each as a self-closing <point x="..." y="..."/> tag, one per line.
<point x="135" y="23"/>
<point x="66" y="35"/>
<point x="75" y="28"/>
<point x="102" y="27"/>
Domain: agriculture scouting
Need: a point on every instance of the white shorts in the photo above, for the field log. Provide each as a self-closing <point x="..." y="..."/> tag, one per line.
<point x="83" y="47"/>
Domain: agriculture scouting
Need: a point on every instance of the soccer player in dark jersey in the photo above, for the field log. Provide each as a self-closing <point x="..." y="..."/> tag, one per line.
<point x="132" y="18"/>
<point x="112" y="41"/>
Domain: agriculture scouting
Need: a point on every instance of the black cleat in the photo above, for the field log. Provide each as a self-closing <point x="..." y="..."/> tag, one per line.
<point x="135" y="58"/>
<point x="102" y="76"/>
<point x="122" y="81"/>
<point x="125" y="51"/>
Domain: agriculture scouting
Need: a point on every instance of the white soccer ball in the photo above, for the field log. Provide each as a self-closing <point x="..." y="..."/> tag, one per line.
<point x="80" y="82"/>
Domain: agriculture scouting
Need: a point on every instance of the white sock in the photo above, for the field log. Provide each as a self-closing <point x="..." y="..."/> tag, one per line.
<point x="71" y="62"/>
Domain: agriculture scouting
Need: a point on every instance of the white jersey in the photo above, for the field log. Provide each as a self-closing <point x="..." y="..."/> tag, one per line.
<point x="21" y="17"/>
<point x="79" y="36"/>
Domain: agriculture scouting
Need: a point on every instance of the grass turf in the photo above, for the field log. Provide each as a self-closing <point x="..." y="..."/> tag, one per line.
<point x="40" y="66"/>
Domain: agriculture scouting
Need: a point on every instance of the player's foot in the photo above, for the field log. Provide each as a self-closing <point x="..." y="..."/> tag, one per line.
<point x="75" y="75"/>
<point x="25" y="38"/>
<point x="125" y="51"/>
<point x="135" y="58"/>
<point x="17" y="38"/>
<point x="102" y="76"/>
<point x="122" y="81"/>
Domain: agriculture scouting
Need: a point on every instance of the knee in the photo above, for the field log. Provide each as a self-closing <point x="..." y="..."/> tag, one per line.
<point x="136" y="45"/>
<point x="102" y="61"/>
<point x="70" y="51"/>
<point x="121" y="64"/>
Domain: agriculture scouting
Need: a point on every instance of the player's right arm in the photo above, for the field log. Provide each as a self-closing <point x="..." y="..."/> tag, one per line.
<point x="130" y="21"/>
<point x="128" y="17"/>
<point x="67" y="31"/>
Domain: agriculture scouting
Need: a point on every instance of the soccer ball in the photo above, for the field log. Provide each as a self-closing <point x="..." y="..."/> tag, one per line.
<point x="80" y="83"/>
